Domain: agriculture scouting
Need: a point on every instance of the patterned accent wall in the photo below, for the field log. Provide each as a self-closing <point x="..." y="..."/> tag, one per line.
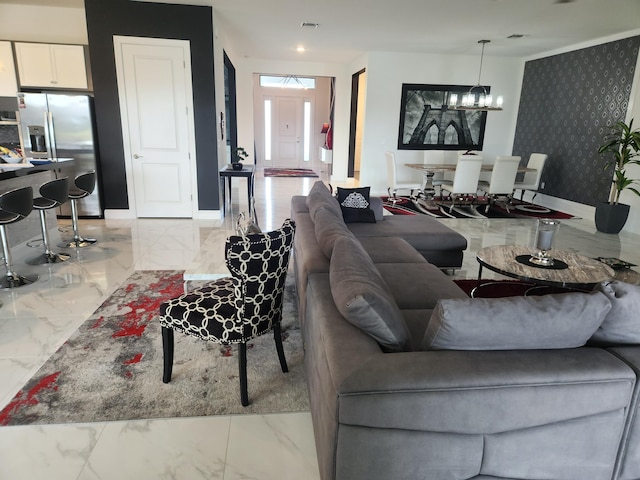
<point x="568" y="101"/>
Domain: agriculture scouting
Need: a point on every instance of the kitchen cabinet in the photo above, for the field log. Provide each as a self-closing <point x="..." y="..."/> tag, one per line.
<point x="51" y="65"/>
<point x="8" y="83"/>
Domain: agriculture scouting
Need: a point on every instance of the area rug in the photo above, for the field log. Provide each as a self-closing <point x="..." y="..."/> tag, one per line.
<point x="289" y="172"/>
<point x="111" y="367"/>
<point x="440" y="209"/>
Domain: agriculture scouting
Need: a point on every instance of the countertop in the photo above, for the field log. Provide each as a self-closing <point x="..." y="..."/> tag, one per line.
<point x="14" y="170"/>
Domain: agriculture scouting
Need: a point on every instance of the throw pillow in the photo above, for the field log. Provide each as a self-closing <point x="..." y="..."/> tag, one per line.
<point x="363" y="298"/>
<point x="355" y="205"/>
<point x="622" y="323"/>
<point x="564" y="320"/>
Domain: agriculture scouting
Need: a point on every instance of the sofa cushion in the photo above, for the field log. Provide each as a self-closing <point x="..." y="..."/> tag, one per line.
<point x="622" y="323"/>
<point x="329" y="226"/>
<point x="418" y="285"/>
<point x="544" y="322"/>
<point x="320" y="197"/>
<point x="362" y="297"/>
<point x="355" y="205"/>
<point x="390" y="250"/>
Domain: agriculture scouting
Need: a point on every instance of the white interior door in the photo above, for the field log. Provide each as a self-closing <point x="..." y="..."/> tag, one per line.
<point x="288" y="141"/>
<point x="154" y="84"/>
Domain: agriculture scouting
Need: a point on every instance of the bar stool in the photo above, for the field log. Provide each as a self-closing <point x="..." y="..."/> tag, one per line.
<point x="52" y="194"/>
<point x="14" y="206"/>
<point x="83" y="186"/>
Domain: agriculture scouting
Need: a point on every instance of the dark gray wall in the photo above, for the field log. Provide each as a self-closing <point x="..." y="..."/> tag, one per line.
<point x="568" y="102"/>
<point x="184" y="22"/>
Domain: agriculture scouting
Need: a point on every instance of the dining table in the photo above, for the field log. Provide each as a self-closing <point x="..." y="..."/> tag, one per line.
<point x="430" y="169"/>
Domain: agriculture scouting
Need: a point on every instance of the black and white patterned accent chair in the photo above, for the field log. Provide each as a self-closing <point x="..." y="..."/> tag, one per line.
<point x="239" y="308"/>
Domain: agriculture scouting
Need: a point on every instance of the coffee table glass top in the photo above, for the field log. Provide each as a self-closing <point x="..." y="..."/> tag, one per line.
<point x="581" y="270"/>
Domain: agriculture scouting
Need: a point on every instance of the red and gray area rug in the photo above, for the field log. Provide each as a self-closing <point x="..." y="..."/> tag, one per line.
<point x="289" y="172"/>
<point x="111" y="367"/>
<point x="439" y="208"/>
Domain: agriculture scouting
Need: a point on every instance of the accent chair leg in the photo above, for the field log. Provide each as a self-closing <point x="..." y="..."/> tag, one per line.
<point x="242" y="367"/>
<point x="277" y="335"/>
<point x="167" y="350"/>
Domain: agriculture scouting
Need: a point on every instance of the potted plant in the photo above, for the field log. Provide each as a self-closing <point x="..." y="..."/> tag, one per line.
<point x="619" y="149"/>
<point x="237" y="157"/>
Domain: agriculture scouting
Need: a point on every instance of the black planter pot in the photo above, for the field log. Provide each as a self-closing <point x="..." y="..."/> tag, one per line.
<point x="236" y="166"/>
<point x="611" y="218"/>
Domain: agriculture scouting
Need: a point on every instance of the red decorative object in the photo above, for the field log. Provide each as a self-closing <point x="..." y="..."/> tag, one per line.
<point x="328" y="136"/>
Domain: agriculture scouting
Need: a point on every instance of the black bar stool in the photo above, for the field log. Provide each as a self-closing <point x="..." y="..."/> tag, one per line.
<point x="52" y="194"/>
<point x="14" y="206"/>
<point x="83" y="186"/>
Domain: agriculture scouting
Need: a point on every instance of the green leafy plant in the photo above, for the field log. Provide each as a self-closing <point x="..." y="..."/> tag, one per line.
<point x="239" y="155"/>
<point x="620" y="149"/>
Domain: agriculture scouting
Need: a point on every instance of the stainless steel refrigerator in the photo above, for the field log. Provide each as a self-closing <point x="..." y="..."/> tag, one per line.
<point x="58" y="126"/>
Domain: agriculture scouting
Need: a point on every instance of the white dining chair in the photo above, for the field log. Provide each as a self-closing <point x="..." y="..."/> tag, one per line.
<point x="393" y="185"/>
<point x="531" y="180"/>
<point x="503" y="178"/>
<point x="465" y="179"/>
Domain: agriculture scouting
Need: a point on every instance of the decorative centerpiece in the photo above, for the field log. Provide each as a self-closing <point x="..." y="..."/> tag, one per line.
<point x="545" y="239"/>
<point x="237" y="157"/>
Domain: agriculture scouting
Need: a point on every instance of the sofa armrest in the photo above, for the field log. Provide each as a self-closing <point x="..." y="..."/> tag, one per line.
<point x="483" y="392"/>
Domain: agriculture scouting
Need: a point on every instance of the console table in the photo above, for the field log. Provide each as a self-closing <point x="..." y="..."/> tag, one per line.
<point x="581" y="272"/>
<point x="227" y="172"/>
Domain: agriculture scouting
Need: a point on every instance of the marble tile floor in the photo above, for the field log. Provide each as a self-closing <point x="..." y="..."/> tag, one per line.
<point x="35" y="320"/>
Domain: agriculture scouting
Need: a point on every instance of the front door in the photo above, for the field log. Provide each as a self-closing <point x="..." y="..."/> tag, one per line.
<point x="288" y="116"/>
<point x="154" y="84"/>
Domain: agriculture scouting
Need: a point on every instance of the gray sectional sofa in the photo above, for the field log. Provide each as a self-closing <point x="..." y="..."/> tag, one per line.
<point x="410" y="379"/>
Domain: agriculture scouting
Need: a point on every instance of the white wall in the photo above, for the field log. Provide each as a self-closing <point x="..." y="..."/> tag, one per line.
<point x="27" y="23"/>
<point x="386" y="72"/>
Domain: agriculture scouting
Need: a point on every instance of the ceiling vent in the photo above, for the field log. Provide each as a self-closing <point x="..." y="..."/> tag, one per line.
<point x="309" y="25"/>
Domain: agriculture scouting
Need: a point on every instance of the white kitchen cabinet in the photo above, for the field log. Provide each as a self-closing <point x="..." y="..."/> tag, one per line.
<point x="51" y="65"/>
<point x="8" y="83"/>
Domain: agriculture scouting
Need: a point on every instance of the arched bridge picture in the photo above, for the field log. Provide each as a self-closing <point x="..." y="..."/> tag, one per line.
<point x="426" y="122"/>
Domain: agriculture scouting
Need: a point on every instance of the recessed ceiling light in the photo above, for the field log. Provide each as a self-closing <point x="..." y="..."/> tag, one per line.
<point x="300" y="49"/>
<point x="309" y="25"/>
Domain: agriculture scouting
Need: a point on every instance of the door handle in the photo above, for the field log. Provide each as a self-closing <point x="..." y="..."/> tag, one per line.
<point x="136" y="156"/>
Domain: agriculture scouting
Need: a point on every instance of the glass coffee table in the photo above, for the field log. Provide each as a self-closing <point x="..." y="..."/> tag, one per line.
<point x="571" y="271"/>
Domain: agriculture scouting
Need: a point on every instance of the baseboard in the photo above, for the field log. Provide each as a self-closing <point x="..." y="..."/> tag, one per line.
<point x="127" y="214"/>
<point x="119" y="214"/>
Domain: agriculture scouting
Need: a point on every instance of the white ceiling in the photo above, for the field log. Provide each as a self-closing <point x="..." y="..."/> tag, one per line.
<point x="270" y="29"/>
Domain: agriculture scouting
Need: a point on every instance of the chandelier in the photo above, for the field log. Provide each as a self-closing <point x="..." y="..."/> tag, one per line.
<point x="477" y="97"/>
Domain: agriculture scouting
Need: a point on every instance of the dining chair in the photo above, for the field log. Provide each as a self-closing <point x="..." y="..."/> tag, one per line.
<point x="238" y="308"/>
<point x="393" y="185"/>
<point x="503" y="177"/>
<point x="531" y="180"/>
<point x="465" y="179"/>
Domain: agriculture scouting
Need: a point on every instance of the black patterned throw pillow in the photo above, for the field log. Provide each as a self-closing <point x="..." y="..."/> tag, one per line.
<point x="355" y="205"/>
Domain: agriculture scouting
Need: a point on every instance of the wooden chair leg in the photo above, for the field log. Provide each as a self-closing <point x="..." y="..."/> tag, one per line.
<point x="242" y="367"/>
<point x="277" y="336"/>
<point x="167" y="350"/>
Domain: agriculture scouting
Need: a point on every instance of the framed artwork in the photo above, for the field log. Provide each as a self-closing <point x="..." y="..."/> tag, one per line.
<point x="426" y="122"/>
